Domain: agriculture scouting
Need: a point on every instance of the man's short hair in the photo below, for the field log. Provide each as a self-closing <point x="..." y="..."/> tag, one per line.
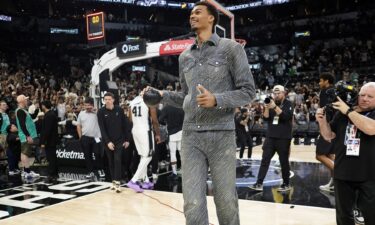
<point x="47" y="104"/>
<point x="327" y="76"/>
<point x="109" y="94"/>
<point x="89" y="100"/>
<point x="211" y="10"/>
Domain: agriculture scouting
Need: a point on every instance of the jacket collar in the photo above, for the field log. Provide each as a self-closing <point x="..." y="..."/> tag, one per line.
<point x="212" y="41"/>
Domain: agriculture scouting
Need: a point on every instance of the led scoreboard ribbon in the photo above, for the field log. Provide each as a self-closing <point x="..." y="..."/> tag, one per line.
<point x="95" y="26"/>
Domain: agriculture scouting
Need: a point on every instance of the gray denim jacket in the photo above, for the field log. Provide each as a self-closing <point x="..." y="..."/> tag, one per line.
<point x="221" y="66"/>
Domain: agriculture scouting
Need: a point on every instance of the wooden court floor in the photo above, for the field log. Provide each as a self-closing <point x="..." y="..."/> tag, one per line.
<point x="162" y="208"/>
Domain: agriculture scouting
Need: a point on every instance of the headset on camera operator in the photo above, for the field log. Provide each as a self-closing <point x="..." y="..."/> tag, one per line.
<point x="353" y="132"/>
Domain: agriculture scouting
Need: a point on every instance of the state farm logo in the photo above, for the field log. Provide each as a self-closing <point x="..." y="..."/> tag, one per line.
<point x="175" y="47"/>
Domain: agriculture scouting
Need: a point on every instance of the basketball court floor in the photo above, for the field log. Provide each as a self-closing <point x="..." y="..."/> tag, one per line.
<point x="74" y="200"/>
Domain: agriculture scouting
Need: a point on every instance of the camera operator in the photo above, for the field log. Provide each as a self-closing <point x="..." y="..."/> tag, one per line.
<point x="243" y="124"/>
<point x="353" y="133"/>
<point x="279" y="114"/>
<point x="324" y="150"/>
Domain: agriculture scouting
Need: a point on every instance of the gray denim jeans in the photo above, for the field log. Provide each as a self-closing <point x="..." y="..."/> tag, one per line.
<point x="216" y="149"/>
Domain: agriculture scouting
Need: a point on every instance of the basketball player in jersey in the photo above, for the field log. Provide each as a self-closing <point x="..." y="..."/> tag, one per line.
<point x="145" y="126"/>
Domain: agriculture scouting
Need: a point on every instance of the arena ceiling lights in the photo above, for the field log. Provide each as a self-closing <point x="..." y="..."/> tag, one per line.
<point x="189" y="5"/>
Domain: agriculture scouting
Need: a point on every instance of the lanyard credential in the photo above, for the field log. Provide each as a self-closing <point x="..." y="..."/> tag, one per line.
<point x="352" y="138"/>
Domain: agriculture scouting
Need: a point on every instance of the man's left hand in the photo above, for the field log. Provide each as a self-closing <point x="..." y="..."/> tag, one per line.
<point x="158" y="139"/>
<point x="271" y="105"/>
<point x="205" y="99"/>
<point x="340" y="105"/>
<point x="126" y="144"/>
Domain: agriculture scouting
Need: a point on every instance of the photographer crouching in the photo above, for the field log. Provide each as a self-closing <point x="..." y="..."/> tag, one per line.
<point x="353" y="130"/>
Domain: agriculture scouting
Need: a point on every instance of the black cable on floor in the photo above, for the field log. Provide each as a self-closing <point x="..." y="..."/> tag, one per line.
<point x="167" y="205"/>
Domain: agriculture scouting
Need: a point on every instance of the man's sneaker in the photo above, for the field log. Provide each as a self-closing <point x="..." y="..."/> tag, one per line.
<point x="101" y="173"/>
<point x="33" y="174"/>
<point x="117" y="186"/>
<point x="284" y="187"/>
<point x="328" y="187"/>
<point x="358" y="217"/>
<point x="90" y="175"/>
<point x="13" y="172"/>
<point x="113" y="187"/>
<point x="256" y="187"/>
<point x="148" y="185"/>
<point x="173" y="177"/>
<point x="134" y="186"/>
<point x="30" y="175"/>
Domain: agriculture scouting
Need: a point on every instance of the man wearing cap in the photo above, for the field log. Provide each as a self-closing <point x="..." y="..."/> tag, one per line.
<point x="26" y="132"/>
<point x="278" y="113"/>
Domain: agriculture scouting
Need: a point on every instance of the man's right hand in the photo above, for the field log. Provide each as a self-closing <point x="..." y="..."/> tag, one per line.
<point x="111" y="146"/>
<point x="29" y="140"/>
<point x="320" y="115"/>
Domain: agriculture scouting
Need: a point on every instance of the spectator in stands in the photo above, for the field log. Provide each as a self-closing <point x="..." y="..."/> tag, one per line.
<point x="34" y="109"/>
<point x="61" y="109"/>
<point x="70" y="126"/>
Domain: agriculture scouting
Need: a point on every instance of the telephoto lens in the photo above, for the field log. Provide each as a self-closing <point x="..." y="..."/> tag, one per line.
<point x="267" y="100"/>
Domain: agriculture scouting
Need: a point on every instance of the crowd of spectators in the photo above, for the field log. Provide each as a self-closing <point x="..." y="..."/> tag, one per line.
<point x="345" y="48"/>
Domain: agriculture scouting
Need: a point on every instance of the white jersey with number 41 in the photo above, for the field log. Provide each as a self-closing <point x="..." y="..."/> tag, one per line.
<point x="140" y="114"/>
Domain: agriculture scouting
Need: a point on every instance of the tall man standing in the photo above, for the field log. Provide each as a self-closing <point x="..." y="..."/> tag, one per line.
<point x="279" y="114"/>
<point x="49" y="138"/>
<point x="114" y="127"/>
<point x="215" y="79"/>
<point x="27" y="133"/>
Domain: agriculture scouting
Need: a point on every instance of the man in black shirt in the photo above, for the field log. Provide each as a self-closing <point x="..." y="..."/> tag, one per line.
<point x="279" y="114"/>
<point x="324" y="149"/>
<point x="49" y="138"/>
<point x="174" y="118"/>
<point x="353" y="132"/>
<point x="243" y="122"/>
<point x="114" y="128"/>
